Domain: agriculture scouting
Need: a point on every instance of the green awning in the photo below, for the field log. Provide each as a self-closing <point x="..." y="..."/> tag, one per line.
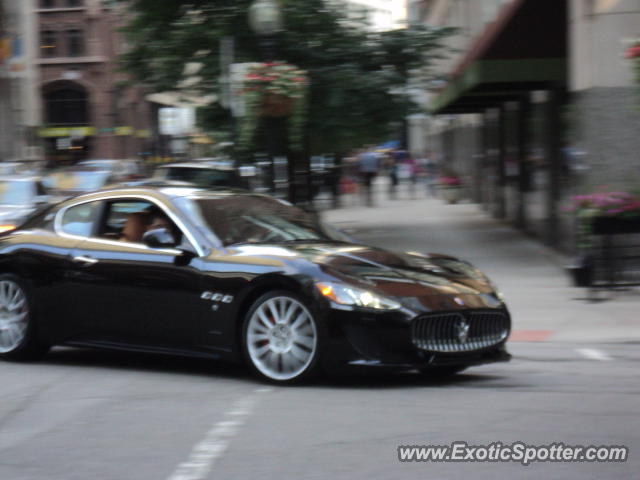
<point x="485" y="82"/>
<point x="523" y="49"/>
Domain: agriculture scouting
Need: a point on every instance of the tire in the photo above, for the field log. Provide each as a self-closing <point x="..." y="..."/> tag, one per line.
<point x="282" y="338"/>
<point x="442" y="372"/>
<point x="18" y="338"/>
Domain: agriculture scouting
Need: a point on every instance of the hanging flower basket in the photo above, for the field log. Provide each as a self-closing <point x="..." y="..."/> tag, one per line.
<point x="276" y="105"/>
<point x="274" y="90"/>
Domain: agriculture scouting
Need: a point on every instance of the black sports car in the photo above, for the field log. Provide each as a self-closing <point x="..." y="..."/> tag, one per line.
<point x="237" y="276"/>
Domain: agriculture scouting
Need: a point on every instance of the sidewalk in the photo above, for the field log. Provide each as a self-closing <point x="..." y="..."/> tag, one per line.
<point x="543" y="304"/>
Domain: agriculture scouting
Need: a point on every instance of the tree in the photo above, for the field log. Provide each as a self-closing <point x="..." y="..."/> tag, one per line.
<point x="358" y="77"/>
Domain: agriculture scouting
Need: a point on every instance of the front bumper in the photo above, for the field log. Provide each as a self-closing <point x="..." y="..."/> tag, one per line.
<point x="386" y="340"/>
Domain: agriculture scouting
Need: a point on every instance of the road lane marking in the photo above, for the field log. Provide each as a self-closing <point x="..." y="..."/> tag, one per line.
<point x="593" y="354"/>
<point x="530" y="335"/>
<point x="215" y="443"/>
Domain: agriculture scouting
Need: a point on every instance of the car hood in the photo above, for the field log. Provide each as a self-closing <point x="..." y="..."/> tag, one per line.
<point x="414" y="279"/>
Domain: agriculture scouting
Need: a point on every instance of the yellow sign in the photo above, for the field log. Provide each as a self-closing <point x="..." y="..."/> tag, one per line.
<point x="5" y="49"/>
<point x="122" y="131"/>
<point x="67" y="132"/>
<point x="143" y="134"/>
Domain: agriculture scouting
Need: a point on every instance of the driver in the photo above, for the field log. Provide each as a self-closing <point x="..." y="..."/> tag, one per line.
<point x="158" y="220"/>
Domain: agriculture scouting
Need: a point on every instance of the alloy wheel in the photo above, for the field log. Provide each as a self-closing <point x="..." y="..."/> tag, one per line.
<point x="282" y="338"/>
<point x="14" y="315"/>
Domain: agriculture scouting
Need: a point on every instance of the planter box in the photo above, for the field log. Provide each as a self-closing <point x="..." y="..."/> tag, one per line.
<point x="581" y="272"/>
<point x="615" y="225"/>
<point x="451" y="194"/>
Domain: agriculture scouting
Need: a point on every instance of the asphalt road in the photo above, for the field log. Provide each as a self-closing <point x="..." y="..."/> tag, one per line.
<point x="96" y="415"/>
<point x="84" y="414"/>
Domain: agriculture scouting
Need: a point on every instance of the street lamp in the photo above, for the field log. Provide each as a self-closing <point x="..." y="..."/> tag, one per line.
<point x="265" y="19"/>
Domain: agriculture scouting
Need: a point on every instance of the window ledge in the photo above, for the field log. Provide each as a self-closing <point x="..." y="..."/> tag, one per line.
<point x="67" y="60"/>
<point x="60" y="9"/>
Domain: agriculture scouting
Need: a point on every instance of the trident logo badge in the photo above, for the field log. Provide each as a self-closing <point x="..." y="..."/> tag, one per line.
<point x="462" y="329"/>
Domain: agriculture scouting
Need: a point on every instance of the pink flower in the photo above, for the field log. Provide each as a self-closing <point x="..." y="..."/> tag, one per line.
<point x="633" y="52"/>
<point x="450" y="181"/>
<point x="606" y="203"/>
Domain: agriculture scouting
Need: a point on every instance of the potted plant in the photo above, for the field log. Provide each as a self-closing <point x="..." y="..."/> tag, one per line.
<point x="633" y="54"/>
<point x="600" y="213"/>
<point x="450" y="187"/>
<point x="274" y="89"/>
<point x="606" y="212"/>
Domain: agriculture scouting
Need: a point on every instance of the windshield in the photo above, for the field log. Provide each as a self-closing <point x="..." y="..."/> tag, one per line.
<point x="16" y="192"/>
<point x="255" y="219"/>
<point x="201" y="177"/>
<point x="84" y="180"/>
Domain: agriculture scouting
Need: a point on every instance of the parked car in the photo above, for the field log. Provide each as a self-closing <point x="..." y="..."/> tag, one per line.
<point x="18" y="168"/>
<point x="237" y="276"/>
<point x="19" y="197"/>
<point x="119" y="169"/>
<point x="204" y="173"/>
<point x="78" y="179"/>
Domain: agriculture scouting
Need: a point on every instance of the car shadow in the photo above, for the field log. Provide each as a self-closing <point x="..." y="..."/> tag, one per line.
<point x="211" y="369"/>
<point x="391" y="380"/>
<point x="145" y="362"/>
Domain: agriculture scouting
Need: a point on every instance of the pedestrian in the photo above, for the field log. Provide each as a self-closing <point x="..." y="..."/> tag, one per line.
<point x="368" y="165"/>
<point x="430" y="169"/>
<point x="413" y="170"/>
<point x="408" y="169"/>
<point x="392" y="170"/>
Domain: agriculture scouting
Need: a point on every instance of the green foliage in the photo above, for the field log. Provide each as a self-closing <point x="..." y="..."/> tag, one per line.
<point x="358" y="78"/>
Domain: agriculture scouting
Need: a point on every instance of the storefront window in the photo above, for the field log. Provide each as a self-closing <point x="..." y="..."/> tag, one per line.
<point x="75" y="43"/>
<point x="66" y="106"/>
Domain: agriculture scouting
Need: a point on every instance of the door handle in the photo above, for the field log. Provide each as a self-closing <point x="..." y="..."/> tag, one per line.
<point x="86" y="261"/>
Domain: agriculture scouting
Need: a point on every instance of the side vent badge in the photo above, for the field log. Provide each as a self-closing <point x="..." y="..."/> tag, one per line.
<point x="216" y="297"/>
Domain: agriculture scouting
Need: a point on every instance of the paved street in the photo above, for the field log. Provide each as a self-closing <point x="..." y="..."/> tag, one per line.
<point x="83" y="414"/>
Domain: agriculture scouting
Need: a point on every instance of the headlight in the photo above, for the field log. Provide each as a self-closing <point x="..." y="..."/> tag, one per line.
<point x="347" y="295"/>
<point x="496" y="291"/>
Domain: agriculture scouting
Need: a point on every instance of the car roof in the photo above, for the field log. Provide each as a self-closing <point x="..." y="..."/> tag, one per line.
<point x="165" y="190"/>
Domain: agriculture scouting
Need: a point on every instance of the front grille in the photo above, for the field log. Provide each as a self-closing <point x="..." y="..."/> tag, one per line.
<point x="459" y="332"/>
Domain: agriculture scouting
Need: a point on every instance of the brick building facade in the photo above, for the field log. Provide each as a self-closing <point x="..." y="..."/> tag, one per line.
<point x="87" y="111"/>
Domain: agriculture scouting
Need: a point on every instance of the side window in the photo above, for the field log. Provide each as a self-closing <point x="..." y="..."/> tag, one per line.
<point x="128" y="220"/>
<point x="78" y="220"/>
<point x="125" y="220"/>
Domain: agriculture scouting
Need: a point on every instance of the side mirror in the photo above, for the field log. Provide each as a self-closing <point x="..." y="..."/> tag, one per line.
<point x="159" y="238"/>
